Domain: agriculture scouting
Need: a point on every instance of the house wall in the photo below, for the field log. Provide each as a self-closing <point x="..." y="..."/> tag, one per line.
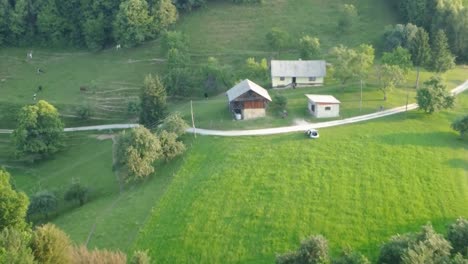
<point x="253" y="113"/>
<point x="320" y="111"/>
<point x="303" y="81"/>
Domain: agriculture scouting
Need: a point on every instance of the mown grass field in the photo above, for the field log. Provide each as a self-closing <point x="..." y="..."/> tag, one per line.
<point x="242" y="200"/>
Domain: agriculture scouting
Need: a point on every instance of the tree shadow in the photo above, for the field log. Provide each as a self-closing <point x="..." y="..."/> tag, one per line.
<point x="458" y="164"/>
<point x="431" y="139"/>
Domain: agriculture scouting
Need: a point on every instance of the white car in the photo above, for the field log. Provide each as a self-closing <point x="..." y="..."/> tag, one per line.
<point x="312" y="133"/>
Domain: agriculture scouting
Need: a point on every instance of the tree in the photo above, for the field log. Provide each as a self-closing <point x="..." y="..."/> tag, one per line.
<point x="347" y="17"/>
<point x="140" y="257"/>
<point x="429" y="247"/>
<point x="39" y="131"/>
<point x="77" y="192"/>
<point x="350" y="257"/>
<point x="393" y="250"/>
<point x="313" y="250"/>
<point x="256" y="71"/>
<point x="399" y="36"/>
<point x="14" y="246"/>
<point x="174" y="40"/>
<point x="133" y="22"/>
<point x="362" y="64"/>
<point x="344" y="59"/>
<point x="43" y="203"/>
<point x="309" y="47"/>
<point x="461" y="125"/>
<point x="50" y="245"/>
<point x="153" y="101"/>
<point x="171" y="148"/>
<point x="389" y="77"/>
<point x="277" y="39"/>
<point x="136" y="150"/>
<point x="400" y="57"/>
<point x="279" y="102"/>
<point x="420" y="51"/>
<point x="442" y="58"/>
<point x="215" y="77"/>
<point x="174" y="123"/>
<point x="13" y="204"/>
<point x="164" y="14"/>
<point x="434" y="96"/>
<point x="457" y="233"/>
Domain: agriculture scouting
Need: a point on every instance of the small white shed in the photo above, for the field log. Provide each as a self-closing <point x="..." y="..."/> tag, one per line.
<point x="323" y="106"/>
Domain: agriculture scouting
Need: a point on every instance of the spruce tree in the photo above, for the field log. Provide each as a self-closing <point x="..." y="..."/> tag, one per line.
<point x="420" y="51"/>
<point x="442" y="58"/>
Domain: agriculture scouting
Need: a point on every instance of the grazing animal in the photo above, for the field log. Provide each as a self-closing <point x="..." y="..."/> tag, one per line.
<point x="39" y="88"/>
<point x="83" y="89"/>
<point x="117" y="47"/>
<point x="40" y="71"/>
<point x="30" y="54"/>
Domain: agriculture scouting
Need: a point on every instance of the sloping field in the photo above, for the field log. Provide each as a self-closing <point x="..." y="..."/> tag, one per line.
<point x="245" y="199"/>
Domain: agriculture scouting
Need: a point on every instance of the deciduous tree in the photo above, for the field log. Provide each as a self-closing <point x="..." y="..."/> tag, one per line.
<point x="136" y="150"/>
<point x="174" y="123"/>
<point x="43" y="203"/>
<point x="434" y="96"/>
<point x="277" y="39"/>
<point x="14" y="246"/>
<point x="39" y="131"/>
<point x="389" y="76"/>
<point x="347" y="18"/>
<point x="457" y="232"/>
<point x="77" y="192"/>
<point x="50" y="245"/>
<point x="13" y="204"/>
<point x="170" y="146"/>
<point x="133" y="22"/>
<point x="309" y="47"/>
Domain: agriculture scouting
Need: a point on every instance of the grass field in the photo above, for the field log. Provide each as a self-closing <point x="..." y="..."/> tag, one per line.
<point x="241" y="200"/>
<point x="114" y="217"/>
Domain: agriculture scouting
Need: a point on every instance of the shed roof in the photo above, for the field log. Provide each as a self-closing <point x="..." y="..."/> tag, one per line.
<point x="316" y="98"/>
<point x="245" y="86"/>
<point x="298" y="68"/>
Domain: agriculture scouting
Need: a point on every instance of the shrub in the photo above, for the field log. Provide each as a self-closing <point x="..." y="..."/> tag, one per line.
<point x="347" y="18"/>
<point x="81" y="255"/>
<point x="461" y="125"/>
<point x="171" y="148"/>
<point x="309" y="47"/>
<point x="51" y="245"/>
<point x="279" y="102"/>
<point x="457" y="234"/>
<point x="43" y="203"/>
<point x="174" y="123"/>
<point x="84" y="111"/>
<point x="14" y="247"/>
<point x="140" y="257"/>
<point x="77" y="192"/>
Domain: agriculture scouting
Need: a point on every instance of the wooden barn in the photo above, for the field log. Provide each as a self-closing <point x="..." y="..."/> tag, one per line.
<point x="248" y="100"/>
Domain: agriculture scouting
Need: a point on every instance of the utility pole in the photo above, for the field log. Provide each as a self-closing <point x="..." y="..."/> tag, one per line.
<point x="360" y="102"/>
<point x="193" y="120"/>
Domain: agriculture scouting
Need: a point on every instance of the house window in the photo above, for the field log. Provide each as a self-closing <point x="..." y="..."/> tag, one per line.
<point x="312" y="79"/>
<point x="327" y="108"/>
<point x="281" y="78"/>
<point x="312" y="108"/>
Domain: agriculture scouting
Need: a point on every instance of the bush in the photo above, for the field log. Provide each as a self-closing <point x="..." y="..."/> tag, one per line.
<point x="279" y="102"/>
<point x="309" y="47"/>
<point x="434" y="96"/>
<point x="134" y="107"/>
<point x="277" y="39"/>
<point x="461" y="125"/>
<point x="171" y="148"/>
<point x="313" y="250"/>
<point x="14" y="247"/>
<point x="174" y="123"/>
<point x="81" y="255"/>
<point x="77" y="192"/>
<point x="457" y="235"/>
<point x="43" y="203"/>
<point x="140" y="257"/>
<point x="51" y="245"/>
<point x="347" y="18"/>
<point x="84" y="111"/>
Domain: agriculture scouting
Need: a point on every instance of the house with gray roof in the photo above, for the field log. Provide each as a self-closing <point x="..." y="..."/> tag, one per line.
<point x="248" y="100"/>
<point x="292" y="73"/>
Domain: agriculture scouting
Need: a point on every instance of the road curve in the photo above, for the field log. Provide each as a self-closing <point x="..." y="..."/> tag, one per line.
<point x="267" y="131"/>
<point x="279" y="130"/>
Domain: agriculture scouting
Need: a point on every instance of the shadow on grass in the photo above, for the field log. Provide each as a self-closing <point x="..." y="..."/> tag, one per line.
<point x="458" y="164"/>
<point x="432" y="139"/>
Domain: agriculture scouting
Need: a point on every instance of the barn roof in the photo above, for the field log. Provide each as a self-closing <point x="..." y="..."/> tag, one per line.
<point x="245" y="86"/>
<point x="298" y="68"/>
<point x="322" y="98"/>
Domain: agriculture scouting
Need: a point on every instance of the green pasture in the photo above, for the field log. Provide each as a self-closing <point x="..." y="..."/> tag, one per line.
<point x="112" y="215"/>
<point x="242" y="200"/>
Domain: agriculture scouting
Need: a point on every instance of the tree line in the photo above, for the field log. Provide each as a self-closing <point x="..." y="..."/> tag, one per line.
<point x="450" y="16"/>
<point x="423" y="247"/>
<point x="93" y="24"/>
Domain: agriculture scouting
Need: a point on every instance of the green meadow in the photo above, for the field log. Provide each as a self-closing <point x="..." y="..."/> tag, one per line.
<point x="241" y="200"/>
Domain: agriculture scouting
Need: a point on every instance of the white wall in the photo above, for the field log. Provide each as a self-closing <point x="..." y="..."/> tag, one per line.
<point x="304" y="81"/>
<point x="253" y="113"/>
<point x="320" y="111"/>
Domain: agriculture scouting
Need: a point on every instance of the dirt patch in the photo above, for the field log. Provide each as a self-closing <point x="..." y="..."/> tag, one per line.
<point x="104" y="136"/>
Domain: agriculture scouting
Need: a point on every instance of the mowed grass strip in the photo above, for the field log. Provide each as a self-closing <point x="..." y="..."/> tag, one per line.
<point x="246" y="199"/>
